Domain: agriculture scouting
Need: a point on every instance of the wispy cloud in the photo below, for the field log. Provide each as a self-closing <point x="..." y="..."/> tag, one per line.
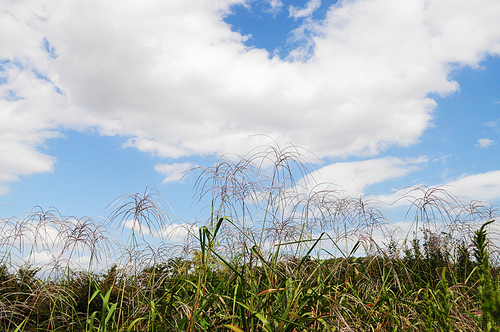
<point x="308" y="10"/>
<point x="173" y="172"/>
<point x="275" y="4"/>
<point x="483" y="143"/>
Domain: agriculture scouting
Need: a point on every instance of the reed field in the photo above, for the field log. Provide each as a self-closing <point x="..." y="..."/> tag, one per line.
<point x="275" y="252"/>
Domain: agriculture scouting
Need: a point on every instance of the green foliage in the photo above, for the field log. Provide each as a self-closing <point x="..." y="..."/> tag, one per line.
<point x="437" y="304"/>
<point x="293" y="293"/>
<point x="489" y="292"/>
<point x="260" y="263"/>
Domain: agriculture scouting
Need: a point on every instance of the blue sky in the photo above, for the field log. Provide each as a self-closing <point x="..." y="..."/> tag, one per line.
<point x="102" y="99"/>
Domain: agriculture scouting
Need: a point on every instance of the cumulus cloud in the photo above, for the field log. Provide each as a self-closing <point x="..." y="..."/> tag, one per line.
<point x="476" y="187"/>
<point x="308" y="10"/>
<point x="174" y="78"/>
<point x="173" y="172"/>
<point x="352" y="178"/>
<point x="484" y="186"/>
<point x="484" y="143"/>
<point x="176" y="232"/>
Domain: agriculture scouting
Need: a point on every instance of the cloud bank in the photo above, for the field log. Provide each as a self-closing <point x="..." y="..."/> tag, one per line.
<point x="174" y="78"/>
<point x="352" y="178"/>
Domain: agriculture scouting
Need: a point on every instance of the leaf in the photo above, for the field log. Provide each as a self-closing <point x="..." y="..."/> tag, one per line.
<point x="264" y="321"/>
<point x="137" y="320"/>
<point x="234" y="328"/>
<point x="270" y="290"/>
<point x="20" y="326"/>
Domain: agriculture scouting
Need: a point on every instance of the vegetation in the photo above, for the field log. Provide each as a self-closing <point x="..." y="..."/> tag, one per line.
<point x="274" y="255"/>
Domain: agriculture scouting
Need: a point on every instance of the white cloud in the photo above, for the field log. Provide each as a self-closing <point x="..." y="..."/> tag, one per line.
<point x="175" y="232"/>
<point x="275" y="4"/>
<point x="138" y="227"/>
<point x="173" y="172"/>
<point x="476" y="187"/>
<point x="484" y="143"/>
<point x="174" y="77"/>
<point x="484" y="186"/>
<point x="178" y="232"/>
<point x="310" y="8"/>
<point x="40" y="258"/>
<point x="354" y="177"/>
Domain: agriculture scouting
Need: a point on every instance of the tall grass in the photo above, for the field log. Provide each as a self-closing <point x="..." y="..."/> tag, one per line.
<point x="278" y="252"/>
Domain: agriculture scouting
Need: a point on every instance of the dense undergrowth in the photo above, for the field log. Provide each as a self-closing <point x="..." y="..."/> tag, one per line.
<point x="274" y="255"/>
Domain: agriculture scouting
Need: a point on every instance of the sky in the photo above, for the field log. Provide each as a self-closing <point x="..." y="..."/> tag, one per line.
<point x="103" y="98"/>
